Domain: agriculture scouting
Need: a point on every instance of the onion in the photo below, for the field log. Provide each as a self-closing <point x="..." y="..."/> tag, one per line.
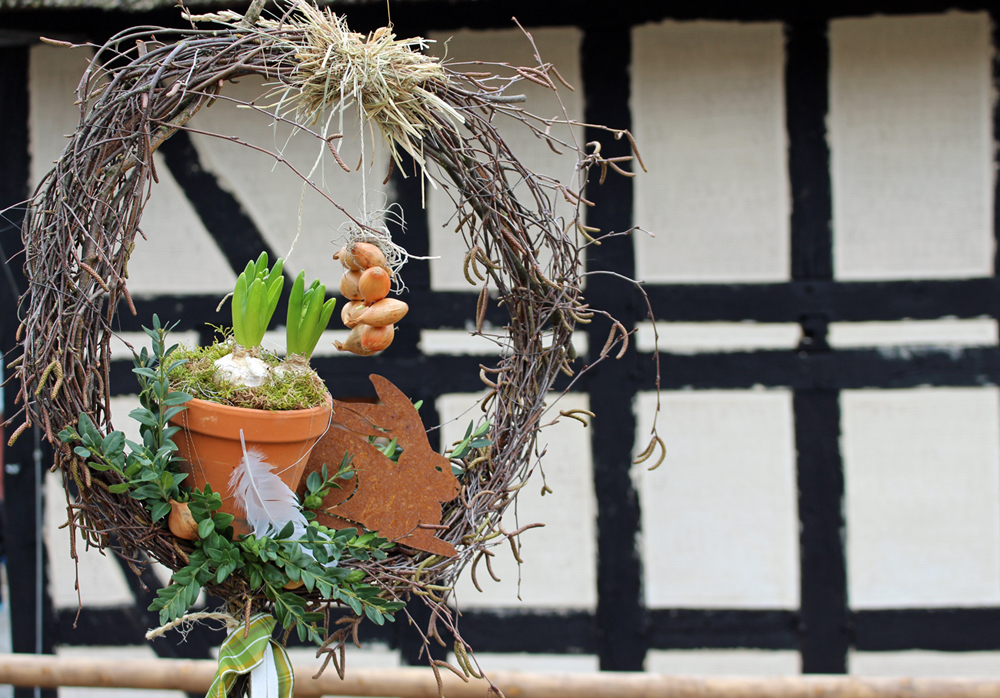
<point x="349" y="285"/>
<point x="374" y="284"/>
<point x="387" y="311"/>
<point x="351" y="312"/>
<point x="366" y="255"/>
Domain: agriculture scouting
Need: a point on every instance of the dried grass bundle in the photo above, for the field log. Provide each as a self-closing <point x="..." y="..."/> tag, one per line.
<point x="387" y="78"/>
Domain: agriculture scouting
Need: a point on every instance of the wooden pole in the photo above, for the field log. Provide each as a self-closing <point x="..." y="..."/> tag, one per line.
<point x="194" y="676"/>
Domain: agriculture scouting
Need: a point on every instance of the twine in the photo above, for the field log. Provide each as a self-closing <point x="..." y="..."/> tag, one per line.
<point x="190" y="619"/>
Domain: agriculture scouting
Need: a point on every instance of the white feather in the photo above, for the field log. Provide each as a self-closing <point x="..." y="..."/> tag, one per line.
<point x="260" y="493"/>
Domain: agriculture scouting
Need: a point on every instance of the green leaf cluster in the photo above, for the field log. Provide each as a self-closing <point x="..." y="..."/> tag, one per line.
<point x="254" y="300"/>
<point x="319" y="484"/>
<point x="308" y="316"/>
<point x="148" y="471"/>
<point x="271" y="562"/>
<point x="474" y="438"/>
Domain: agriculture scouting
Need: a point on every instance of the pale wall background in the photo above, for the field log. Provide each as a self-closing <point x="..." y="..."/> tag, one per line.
<point x="910" y="133"/>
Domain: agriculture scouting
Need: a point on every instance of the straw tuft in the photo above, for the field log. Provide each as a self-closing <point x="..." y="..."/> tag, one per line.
<point x="387" y="78"/>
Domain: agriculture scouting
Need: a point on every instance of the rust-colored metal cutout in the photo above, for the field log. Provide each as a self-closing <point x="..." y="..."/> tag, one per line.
<point x="401" y="500"/>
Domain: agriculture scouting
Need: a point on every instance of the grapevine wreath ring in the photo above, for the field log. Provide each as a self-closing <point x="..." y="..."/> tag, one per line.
<point x="82" y="223"/>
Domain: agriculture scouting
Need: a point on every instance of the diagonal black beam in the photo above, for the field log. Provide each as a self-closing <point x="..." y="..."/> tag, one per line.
<point x="221" y="213"/>
<point x="621" y="617"/>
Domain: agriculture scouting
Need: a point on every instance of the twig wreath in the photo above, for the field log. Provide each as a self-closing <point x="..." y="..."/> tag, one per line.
<point x="145" y="84"/>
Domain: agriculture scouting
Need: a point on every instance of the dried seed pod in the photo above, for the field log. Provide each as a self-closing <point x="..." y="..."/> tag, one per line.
<point x="374" y="284"/>
<point x="347" y="259"/>
<point x="387" y="311"/>
<point x="351" y="312"/>
<point x="366" y="255"/>
<point x="181" y="522"/>
<point x="350" y="285"/>
<point x="375" y="339"/>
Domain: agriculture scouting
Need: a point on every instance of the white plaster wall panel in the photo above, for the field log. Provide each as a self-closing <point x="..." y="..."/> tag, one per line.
<point x="493" y="342"/>
<point x="534" y="663"/>
<point x="274" y="196"/>
<point x="946" y="332"/>
<point x="724" y="662"/>
<point x="560" y="46"/>
<point x="699" y="337"/>
<point x="560" y="559"/>
<point x="53" y="75"/>
<point x="111" y="654"/>
<point x="910" y="130"/>
<point x="923" y="663"/>
<point x="922" y="496"/>
<point x="102" y="582"/>
<point x="719" y="521"/>
<point x="463" y="342"/>
<point x="709" y="117"/>
<point x="120" y="406"/>
<point x="122" y="341"/>
<point x="179" y="255"/>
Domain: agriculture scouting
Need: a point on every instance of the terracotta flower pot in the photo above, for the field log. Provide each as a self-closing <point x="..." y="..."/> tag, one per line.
<point x="209" y="442"/>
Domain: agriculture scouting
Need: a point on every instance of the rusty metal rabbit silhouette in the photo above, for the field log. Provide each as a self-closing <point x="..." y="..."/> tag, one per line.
<point x="401" y="500"/>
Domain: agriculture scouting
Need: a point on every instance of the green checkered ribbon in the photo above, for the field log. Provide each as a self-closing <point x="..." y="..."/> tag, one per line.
<point x="270" y="670"/>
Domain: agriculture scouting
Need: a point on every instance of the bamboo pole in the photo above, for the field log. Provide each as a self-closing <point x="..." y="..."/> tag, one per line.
<point x="194" y="676"/>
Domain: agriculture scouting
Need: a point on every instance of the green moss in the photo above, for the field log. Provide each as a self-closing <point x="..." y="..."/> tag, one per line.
<point x="297" y="387"/>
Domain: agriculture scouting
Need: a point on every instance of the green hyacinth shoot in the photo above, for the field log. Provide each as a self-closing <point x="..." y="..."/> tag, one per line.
<point x="254" y="300"/>
<point x="308" y="316"/>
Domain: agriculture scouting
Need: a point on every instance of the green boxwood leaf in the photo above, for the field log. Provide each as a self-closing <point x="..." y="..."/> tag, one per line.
<point x="206" y="527"/>
<point x="159" y="510"/>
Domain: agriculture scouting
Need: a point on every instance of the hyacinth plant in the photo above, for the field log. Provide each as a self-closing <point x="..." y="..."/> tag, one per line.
<point x="254" y="300"/>
<point x="308" y="316"/>
<point x="239" y="371"/>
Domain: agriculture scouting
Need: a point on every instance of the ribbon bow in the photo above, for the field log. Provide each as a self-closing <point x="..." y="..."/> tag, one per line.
<point x="270" y="669"/>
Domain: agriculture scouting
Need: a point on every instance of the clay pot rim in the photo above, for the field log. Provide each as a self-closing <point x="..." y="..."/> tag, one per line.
<point x="269" y="426"/>
<point x="197" y="401"/>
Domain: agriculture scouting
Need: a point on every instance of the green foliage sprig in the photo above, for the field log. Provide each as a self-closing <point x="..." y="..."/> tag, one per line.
<point x="254" y="300"/>
<point x="308" y="316"/>
<point x="474" y="438"/>
<point x="148" y="469"/>
<point x="319" y="483"/>
<point x="270" y="563"/>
